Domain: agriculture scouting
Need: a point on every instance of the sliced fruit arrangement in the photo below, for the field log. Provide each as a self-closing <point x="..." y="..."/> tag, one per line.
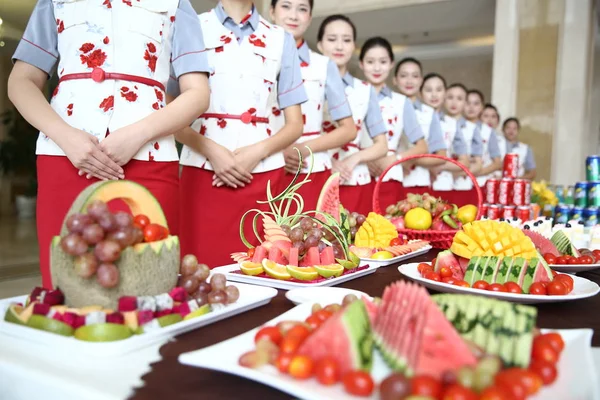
<point x="559" y="250"/>
<point x="399" y="246"/>
<point x="46" y="309"/>
<point x="436" y="347"/>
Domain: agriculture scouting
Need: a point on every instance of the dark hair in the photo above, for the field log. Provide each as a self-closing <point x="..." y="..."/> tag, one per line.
<point x="373" y="42"/>
<point x="310" y="2"/>
<point x="511" y="119"/>
<point x="458" y="85"/>
<point x="492" y="107"/>
<point x="431" y="76"/>
<point x="333" y="18"/>
<point x="408" y="60"/>
<point x="476" y="92"/>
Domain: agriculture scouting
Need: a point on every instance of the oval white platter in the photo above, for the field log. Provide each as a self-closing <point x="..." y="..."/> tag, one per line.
<point x="582" y="288"/>
<point x="321" y="295"/>
<point x="573" y="268"/>
<point x="376" y="263"/>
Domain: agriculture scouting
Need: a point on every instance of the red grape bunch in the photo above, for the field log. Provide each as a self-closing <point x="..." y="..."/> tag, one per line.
<point x="355" y="220"/>
<point x="206" y="289"/>
<point x="309" y="234"/>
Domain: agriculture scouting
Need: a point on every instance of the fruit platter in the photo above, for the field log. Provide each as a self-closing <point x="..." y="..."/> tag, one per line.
<point x="119" y="282"/>
<point x="561" y="254"/>
<point x="496" y="259"/>
<point x="409" y="345"/>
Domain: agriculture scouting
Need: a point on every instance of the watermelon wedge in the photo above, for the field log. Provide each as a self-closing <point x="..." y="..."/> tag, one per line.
<point x="329" y="199"/>
<point x="260" y="253"/>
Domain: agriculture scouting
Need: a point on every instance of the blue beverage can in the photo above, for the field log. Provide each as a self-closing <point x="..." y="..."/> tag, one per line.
<point x="592" y="168"/>
<point x="593" y="194"/>
<point x="577" y="213"/>
<point x="561" y="214"/>
<point x="580" y="196"/>
<point x="590" y="216"/>
<point x="559" y="191"/>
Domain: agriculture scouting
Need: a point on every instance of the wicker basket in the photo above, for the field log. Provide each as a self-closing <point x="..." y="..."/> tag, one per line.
<point x="437" y="239"/>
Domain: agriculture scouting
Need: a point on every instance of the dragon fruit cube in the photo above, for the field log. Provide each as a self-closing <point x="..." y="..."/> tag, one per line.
<point x="145" y="316"/>
<point x="115" y="318"/>
<point x="96" y="317"/>
<point x="58" y="316"/>
<point x="163" y="302"/>
<point x="35" y="293"/>
<point x="79" y="321"/>
<point x="41" y="309"/>
<point x="178" y="294"/>
<point x="128" y="303"/>
<point x="184" y="309"/>
<point x="162" y="313"/>
<point x="147" y="303"/>
<point x="70" y="319"/>
<point x="54" y="298"/>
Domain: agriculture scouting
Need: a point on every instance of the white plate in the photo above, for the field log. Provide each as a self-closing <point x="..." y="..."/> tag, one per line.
<point x="384" y="263"/>
<point x="250" y="297"/>
<point x="576" y="371"/>
<point x="582" y="288"/>
<point x="287" y="285"/>
<point x="573" y="268"/>
<point x="321" y="295"/>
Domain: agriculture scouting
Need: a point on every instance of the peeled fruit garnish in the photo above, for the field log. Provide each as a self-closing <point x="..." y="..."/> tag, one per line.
<point x="375" y="232"/>
<point x="251" y="268"/>
<point x="275" y="270"/>
<point x="50" y="325"/>
<point x="327" y="271"/>
<point x="492" y="238"/>
<point x="205" y="309"/>
<point x="14" y="314"/>
<point x="103" y="332"/>
<point x="382" y="255"/>
<point x="170" y="319"/>
<point x="303" y="273"/>
<point x="418" y="219"/>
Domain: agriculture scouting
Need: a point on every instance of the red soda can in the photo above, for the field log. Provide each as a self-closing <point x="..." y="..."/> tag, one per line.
<point x="511" y="166"/>
<point x="519" y="192"/>
<point x="505" y="191"/>
<point x="509" y="212"/>
<point x="524" y="213"/>
<point x="491" y="191"/>
<point x="494" y="211"/>
<point x="484" y="210"/>
<point x="527" y="192"/>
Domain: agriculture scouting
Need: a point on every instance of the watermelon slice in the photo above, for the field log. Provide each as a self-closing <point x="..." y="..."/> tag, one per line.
<point x="327" y="257"/>
<point x="284" y="247"/>
<point x="463" y="262"/>
<point x="311" y="258"/>
<point x="276" y="256"/>
<point x="345" y="336"/>
<point x="329" y="199"/>
<point x="447" y="259"/>
<point x="372" y="309"/>
<point x="293" y="258"/>
<point x="542" y="244"/>
<point x="260" y="253"/>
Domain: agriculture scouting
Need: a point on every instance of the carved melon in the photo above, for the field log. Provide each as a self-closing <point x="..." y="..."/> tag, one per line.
<point x="146" y="269"/>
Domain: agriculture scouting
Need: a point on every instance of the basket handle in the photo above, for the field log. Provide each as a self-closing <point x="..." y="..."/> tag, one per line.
<point x="376" y="205"/>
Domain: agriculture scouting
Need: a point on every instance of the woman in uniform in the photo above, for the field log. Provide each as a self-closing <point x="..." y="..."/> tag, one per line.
<point x="107" y="118"/>
<point x="527" y="168"/>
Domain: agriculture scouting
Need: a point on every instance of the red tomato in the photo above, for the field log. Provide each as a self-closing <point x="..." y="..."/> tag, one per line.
<point x="555" y="340"/>
<point x="445" y="272"/>
<point x="562" y="260"/>
<point x="586" y="259"/>
<point x="314" y="322"/>
<point x="513" y="287"/>
<point x="323" y="315"/>
<point x="538" y="288"/>
<point x="543" y="351"/>
<point x="164" y="232"/>
<point x="566" y="280"/>
<point x="497" y="287"/>
<point x="550" y="258"/>
<point x="327" y="371"/>
<point x="153" y="233"/>
<point x="458" y="392"/>
<point x="423" y="268"/>
<point x="434" y="276"/>
<point x="141" y="221"/>
<point x="358" y="383"/>
<point x="270" y="332"/>
<point x="283" y="362"/>
<point x="529" y="380"/>
<point x="251" y="251"/>
<point x="290" y="344"/>
<point x="596" y="254"/>
<point x="510" y="381"/>
<point x="301" y="367"/>
<point x="425" y="385"/>
<point x="483" y="285"/>
<point x="299" y="331"/>
<point x="462" y="284"/>
<point x="557" y="288"/>
<point x="570" y="259"/>
<point x="496" y="393"/>
<point x="449" y="280"/>
<point x="545" y="370"/>
<point x="396" y="242"/>
<point x="433" y="262"/>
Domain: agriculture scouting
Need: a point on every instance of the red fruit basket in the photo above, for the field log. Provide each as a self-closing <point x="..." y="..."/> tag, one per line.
<point x="437" y="239"/>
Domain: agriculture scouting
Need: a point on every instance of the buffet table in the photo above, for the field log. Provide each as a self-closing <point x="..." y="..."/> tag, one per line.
<point x="168" y="379"/>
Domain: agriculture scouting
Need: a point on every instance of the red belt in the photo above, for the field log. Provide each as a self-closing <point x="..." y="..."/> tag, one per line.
<point x="99" y="75"/>
<point x="246" y="117"/>
<point x="311" y="133"/>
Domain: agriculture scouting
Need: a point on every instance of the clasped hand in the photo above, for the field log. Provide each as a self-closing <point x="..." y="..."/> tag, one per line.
<point x="234" y="168"/>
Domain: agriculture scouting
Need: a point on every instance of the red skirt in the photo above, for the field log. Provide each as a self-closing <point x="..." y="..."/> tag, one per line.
<point x="358" y="198"/>
<point x="458" y="197"/>
<point x="309" y="191"/>
<point x="59" y="184"/>
<point x="210" y="217"/>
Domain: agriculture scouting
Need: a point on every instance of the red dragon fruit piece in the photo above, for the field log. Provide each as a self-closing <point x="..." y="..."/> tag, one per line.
<point x="162" y="313"/>
<point x="58" y="316"/>
<point x="183" y="309"/>
<point x="178" y="294"/>
<point x="70" y="318"/>
<point x="41" y="309"/>
<point x="115" y="318"/>
<point x="127" y="303"/>
<point x="145" y="316"/>
<point x="54" y="298"/>
<point x="79" y="321"/>
<point x="35" y="293"/>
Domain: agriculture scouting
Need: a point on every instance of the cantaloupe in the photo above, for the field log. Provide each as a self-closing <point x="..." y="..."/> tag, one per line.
<point x="146" y="269"/>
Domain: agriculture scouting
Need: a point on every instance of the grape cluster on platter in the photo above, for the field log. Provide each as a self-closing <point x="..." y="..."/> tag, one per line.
<point x="197" y="284"/>
<point x="355" y="220"/>
<point x="97" y="238"/>
<point x="308" y="234"/>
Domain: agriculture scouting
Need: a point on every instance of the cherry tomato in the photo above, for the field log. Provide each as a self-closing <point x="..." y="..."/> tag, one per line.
<point x="496" y="393"/>
<point x="445" y="272"/>
<point x="566" y="280"/>
<point x="434" y="276"/>
<point x="596" y="254"/>
<point x="529" y="379"/>
<point x="314" y="322"/>
<point x="462" y="284"/>
<point x="251" y="251"/>
<point x="290" y="344"/>
<point x="327" y="371"/>
<point x="141" y="221"/>
<point x="425" y="385"/>
<point x="550" y="258"/>
<point x="433" y="262"/>
<point x="153" y="233"/>
<point x="557" y="288"/>
<point x="396" y="242"/>
<point x="270" y="332"/>
<point x="299" y="331"/>
<point x="358" y="383"/>
<point x="483" y="285"/>
<point x="449" y="280"/>
<point x="423" y="268"/>
<point x="570" y="259"/>
<point x="555" y="340"/>
<point x="545" y="370"/>
<point x="283" y="362"/>
<point x="323" y="315"/>
<point x="497" y="287"/>
<point x="458" y="392"/>
<point x="586" y="259"/>
<point x="543" y="351"/>
<point x="510" y="381"/>
<point x="538" y="288"/>
<point x="513" y="287"/>
<point x="301" y="367"/>
<point x="164" y="232"/>
<point x="562" y="260"/>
